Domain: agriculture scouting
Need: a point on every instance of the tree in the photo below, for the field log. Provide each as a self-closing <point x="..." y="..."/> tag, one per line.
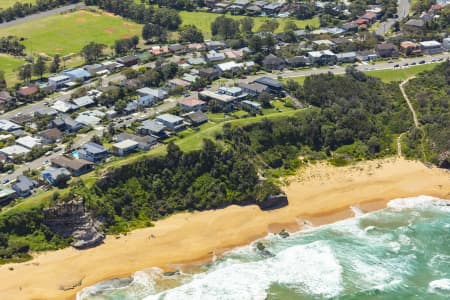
<point x="269" y="26"/>
<point x="56" y="64"/>
<point x="265" y="98"/>
<point x="154" y="31"/>
<point x="92" y="52"/>
<point x="247" y="25"/>
<point x="39" y="67"/>
<point x="25" y="72"/>
<point x="225" y="27"/>
<point x="290" y="26"/>
<point x="3" y="84"/>
<point x="190" y="33"/>
<point x="255" y="44"/>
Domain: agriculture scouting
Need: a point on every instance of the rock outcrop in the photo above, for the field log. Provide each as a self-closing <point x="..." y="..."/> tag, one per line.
<point x="70" y="219"/>
<point x="273" y="202"/>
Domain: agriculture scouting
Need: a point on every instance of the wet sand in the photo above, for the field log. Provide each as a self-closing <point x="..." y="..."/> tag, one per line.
<point x="318" y="194"/>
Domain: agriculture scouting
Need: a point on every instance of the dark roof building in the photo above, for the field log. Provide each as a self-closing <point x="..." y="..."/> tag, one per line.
<point x="273" y="62"/>
<point x="24" y="186"/>
<point x="196" y="118"/>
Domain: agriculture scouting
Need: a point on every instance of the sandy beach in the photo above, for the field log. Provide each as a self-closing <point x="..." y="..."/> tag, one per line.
<point x="318" y="194"/>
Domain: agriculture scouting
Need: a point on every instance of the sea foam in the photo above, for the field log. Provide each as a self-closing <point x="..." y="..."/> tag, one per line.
<point x="311" y="269"/>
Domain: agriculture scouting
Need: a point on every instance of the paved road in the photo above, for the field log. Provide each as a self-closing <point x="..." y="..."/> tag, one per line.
<point x="43" y="14"/>
<point x="402" y="12"/>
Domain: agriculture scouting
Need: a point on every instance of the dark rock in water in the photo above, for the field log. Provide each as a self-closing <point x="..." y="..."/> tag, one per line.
<point x="260" y="246"/>
<point x="262" y="250"/>
<point x="174" y="273"/>
<point x="284" y="234"/>
<point x="273" y="202"/>
<point x="70" y="219"/>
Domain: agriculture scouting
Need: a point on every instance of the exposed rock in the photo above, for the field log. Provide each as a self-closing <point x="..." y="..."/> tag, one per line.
<point x="444" y="160"/>
<point x="273" y="202"/>
<point x="70" y="219"/>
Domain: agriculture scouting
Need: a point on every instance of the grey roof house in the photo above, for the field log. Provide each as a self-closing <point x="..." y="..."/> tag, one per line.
<point x="24" y="186"/>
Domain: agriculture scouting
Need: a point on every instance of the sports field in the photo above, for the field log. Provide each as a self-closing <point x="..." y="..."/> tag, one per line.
<point x="68" y="33"/>
<point x="9" y="3"/>
<point x="9" y="65"/>
<point x="203" y="21"/>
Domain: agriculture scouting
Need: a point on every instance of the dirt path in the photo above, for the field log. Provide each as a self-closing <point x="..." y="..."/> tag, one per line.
<point x="411" y="108"/>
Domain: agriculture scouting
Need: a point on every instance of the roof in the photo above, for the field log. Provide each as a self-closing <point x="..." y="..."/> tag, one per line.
<point x="28" y="142"/>
<point x="23" y="183"/>
<point x="252" y="103"/>
<point x="28" y="90"/>
<point x="58" y="78"/>
<point x="346" y="54"/>
<point x="169" y="118"/>
<point x="146" y="140"/>
<point x="192" y="102"/>
<point x="197" y="117"/>
<point x="386" y="46"/>
<point x="94" y="148"/>
<point x="129" y="58"/>
<point x="157" y="93"/>
<point x="71" y="164"/>
<point x="77" y="73"/>
<point x="64" y="106"/>
<point x="83" y="101"/>
<point x="125" y="144"/>
<point x="320" y="53"/>
<point x="153" y="126"/>
<point x="219" y="97"/>
<point x="297" y="59"/>
<point x="180" y="82"/>
<point x="269" y="82"/>
<point x="55" y="172"/>
<point x="272" y="59"/>
<point x="430" y="44"/>
<point x="6" y="191"/>
<point x="48" y="111"/>
<point x="253" y="86"/>
<point x="53" y="133"/>
<point x="14" y="150"/>
<point x="8" y="125"/>
<point x="87" y="120"/>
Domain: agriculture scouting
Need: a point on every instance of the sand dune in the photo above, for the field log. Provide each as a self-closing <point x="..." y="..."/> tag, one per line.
<point x="317" y="194"/>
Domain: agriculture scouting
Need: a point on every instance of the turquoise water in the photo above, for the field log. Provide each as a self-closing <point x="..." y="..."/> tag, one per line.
<point x="75" y="154"/>
<point x="401" y="252"/>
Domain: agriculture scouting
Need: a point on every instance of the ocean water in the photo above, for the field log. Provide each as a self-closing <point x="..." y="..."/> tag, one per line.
<point x="401" y="252"/>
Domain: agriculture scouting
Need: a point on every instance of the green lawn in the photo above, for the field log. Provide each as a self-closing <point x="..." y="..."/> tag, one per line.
<point x="203" y="21"/>
<point x="9" y="64"/>
<point x="68" y="33"/>
<point x="9" y="3"/>
<point x="400" y="74"/>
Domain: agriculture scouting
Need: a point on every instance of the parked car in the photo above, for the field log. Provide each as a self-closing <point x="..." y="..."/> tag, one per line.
<point x="5" y="181"/>
<point x="421" y="62"/>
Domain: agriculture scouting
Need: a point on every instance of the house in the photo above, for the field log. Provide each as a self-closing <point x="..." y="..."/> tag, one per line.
<point x="70" y="124"/>
<point x="87" y="120"/>
<point x="29" y="142"/>
<point x="253" y="10"/>
<point x="77" y="74"/>
<point x="46" y="111"/>
<point x="233" y="91"/>
<point x="297" y="61"/>
<point x="6" y="195"/>
<point x="192" y="104"/>
<point x="5" y="98"/>
<point x="250" y="106"/>
<point x="177" y="82"/>
<point x="371" y="17"/>
<point x="214" y="56"/>
<point x="6" y="125"/>
<point x="350" y="27"/>
<point x="273" y="85"/>
<point x="84" y="101"/>
<point x="414" y="25"/>
<point x="51" y="174"/>
<point x="232" y="66"/>
<point x="144" y="142"/>
<point x="159" y="50"/>
<point x="50" y="136"/>
<point x="215" y="45"/>
<point x="446" y="43"/>
<point x="124" y="147"/>
<point x="14" y="150"/>
<point x="23" y="186"/>
<point x="196" y="47"/>
<point x="234" y="54"/>
<point x="346" y="57"/>
<point x="76" y="167"/>
<point x="273" y="62"/>
<point x="195" y="118"/>
<point x="327" y="43"/>
<point x="225" y="101"/>
<point x="152" y="128"/>
<point x="431" y="47"/>
<point x="253" y="89"/>
<point x="128" y="61"/>
<point x="23" y="120"/>
<point x="366" y="55"/>
<point x="58" y="81"/>
<point x="157" y="94"/>
<point x="93" y="152"/>
<point x="194" y="61"/>
<point x="64" y="106"/>
<point x="386" y="50"/>
<point x="272" y="8"/>
<point x="27" y="91"/>
<point x="177" y="48"/>
<point x="325" y="57"/>
<point x="410" y="49"/>
<point x="190" y="78"/>
<point x="172" y="122"/>
<point x="209" y="73"/>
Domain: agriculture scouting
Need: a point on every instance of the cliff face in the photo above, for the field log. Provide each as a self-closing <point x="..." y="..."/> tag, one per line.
<point x="70" y="219"/>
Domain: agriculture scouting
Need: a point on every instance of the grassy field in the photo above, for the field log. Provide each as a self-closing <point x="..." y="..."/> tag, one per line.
<point x="203" y="21"/>
<point x="400" y="74"/>
<point x="68" y="33"/>
<point x="9" y="3"/>
<point x="9" y="64"/>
